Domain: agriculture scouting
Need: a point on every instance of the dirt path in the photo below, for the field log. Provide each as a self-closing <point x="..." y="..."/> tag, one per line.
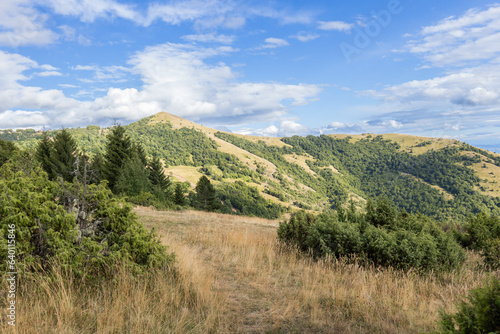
<point x="248" y="304"/>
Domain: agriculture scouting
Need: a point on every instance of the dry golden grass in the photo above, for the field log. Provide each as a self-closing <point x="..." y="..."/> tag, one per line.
<point x="268" y="288"/>
<point x="408" y="143"/>
<point x="488" y="173"/>
<point x="300" y="160"/>
<point x="233" y="277"/>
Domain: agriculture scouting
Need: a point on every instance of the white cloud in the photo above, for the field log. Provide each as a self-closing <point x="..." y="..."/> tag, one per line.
<point x="176" y="78"/>
<point x="210" y="38"/>
<point x="336" y="125"/>
<point x="22" y="119"/>
<point x="271" y="43"/>
<point x="103" y="73"/>
<point x="90" y="10"/>
<point x="456" y="41"/>
<point x="286" y="128"/>
<point x="305" y="37"/>
<point x="229" y="14"/>
<point x="469" y="87"/>
<point x="49" y="74"/>
<point x="21" y="24"/>
<point x="335" y="25"/>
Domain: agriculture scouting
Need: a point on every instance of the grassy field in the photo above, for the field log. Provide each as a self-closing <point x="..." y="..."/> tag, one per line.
<point x="233" y="277"/>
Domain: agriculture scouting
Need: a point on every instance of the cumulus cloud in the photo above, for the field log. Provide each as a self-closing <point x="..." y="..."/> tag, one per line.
<point x="469" y="87"/>
<point x="285" y="128"/>
<point x="22" y="119"/>
<point x="178" y="78"/>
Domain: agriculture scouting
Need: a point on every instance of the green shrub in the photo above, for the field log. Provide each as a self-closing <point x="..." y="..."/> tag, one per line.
<point x="482" y="233"/>
<point x="479" y="314"/>
<point x="382" y="236"/>
<point x="296" y="229"/>
<point x="75" y="224"/>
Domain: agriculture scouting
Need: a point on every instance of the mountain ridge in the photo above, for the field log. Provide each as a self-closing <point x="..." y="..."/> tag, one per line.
<point x="444" y="178"/>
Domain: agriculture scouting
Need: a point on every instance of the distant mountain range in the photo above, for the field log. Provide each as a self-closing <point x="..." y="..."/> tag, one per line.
<point x="446" y="179"/>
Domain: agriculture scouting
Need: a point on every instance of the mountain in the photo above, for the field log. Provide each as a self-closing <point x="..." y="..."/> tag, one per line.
<point x="446" y="179"/>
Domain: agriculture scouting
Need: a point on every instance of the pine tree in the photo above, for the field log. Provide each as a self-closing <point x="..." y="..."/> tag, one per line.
<point x="206" y="198"/>
<point x="157" y="175"/>
<point x="118" y="151"/>
<point x="133" y="179"/>
<point x="179" y="198"/>
<point x="43" y="155"/>
<point x="63" y="155"/>
<point x="139" y="151"/>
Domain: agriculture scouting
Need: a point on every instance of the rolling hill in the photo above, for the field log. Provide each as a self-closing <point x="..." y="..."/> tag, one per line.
<point x="446" y="179"/>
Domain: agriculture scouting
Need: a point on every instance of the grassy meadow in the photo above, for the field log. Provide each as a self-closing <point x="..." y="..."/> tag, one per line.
<point x="232" y="276"/>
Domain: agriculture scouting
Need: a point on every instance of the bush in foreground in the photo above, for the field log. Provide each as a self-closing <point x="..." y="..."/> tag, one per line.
<point x="479" y="314"/>
<point x="74" y="224"/>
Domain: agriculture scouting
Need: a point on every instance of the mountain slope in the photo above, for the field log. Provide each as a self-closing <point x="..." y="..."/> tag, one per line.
<point x="443" y="178"/>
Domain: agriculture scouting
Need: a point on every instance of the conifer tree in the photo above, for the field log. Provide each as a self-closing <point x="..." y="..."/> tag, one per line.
<point x="43" y="155"/>
<point x="118" y="151"/>
<point x="179" y="198"/>
<point x="205" y="195"/>
<point x="63" y="155"/>
<point x="141" y="154"/>
<point x="133" y="179"/>
<point x="157" y="175"/>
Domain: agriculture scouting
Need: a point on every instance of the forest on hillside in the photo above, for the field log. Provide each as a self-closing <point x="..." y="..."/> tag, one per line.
<point x="438" y="183"/>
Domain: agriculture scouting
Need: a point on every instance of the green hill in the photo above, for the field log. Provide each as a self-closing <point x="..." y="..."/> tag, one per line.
<point x="446" y="179"/>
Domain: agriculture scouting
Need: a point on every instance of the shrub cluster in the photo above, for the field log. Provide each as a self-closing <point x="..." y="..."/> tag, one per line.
<point x="78" y="225"/>
<point x="382" y="236"/>
<point x="482" y="233"/>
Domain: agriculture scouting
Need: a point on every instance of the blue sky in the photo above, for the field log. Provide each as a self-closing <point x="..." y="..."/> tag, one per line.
<point x="276" y="68"/>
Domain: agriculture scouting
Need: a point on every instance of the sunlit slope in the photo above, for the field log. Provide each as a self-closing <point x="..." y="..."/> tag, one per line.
<point x="440" y="177"/>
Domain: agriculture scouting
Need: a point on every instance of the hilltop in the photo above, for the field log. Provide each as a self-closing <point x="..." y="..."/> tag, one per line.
<point x="446" y="179"/>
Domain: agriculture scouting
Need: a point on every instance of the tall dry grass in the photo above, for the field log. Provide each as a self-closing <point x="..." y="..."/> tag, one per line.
<point x="233" y="277"/>
<point x="171" y="300"/>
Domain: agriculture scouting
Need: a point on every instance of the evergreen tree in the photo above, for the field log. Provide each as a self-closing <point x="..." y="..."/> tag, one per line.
<point x="7" y="148"/>
<point x="97" y="167"/>
<point x="139" y="151"/>
<point x="133" y="179"/>
<point x="206" y="198"/>
<point x="157" y="175"/>
<point x="43" y="155"/>
<point x="118" y="151"/>
<point x="179" y="198"/>
<point x="63" y="155"/>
